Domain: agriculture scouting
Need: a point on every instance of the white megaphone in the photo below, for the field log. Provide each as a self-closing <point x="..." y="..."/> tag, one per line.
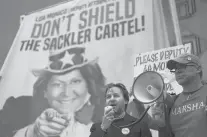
<point x="148" y="87"/>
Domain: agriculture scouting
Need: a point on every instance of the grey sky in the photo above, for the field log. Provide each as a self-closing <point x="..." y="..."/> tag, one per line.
<point x="10" y="12"/>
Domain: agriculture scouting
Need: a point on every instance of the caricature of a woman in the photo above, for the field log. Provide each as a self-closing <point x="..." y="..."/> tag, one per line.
<point x="71" y="88"/>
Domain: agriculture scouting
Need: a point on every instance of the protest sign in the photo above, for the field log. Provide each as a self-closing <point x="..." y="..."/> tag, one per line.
<point x="66" y="38"/>
<point x="157" y="60"/>
<point x="110" y="30"/>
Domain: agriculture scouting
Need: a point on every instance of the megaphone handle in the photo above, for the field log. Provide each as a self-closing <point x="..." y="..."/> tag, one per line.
<point x="137" y="121"/>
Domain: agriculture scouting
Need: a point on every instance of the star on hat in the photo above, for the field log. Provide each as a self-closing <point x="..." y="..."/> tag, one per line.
<point x="65" y="60"/>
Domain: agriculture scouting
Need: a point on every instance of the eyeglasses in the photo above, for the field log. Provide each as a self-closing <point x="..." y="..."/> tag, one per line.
<point x="179" y="67"/>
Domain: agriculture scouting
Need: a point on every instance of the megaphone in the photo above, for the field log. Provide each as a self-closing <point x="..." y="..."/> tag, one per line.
<point x="148" y="87"/>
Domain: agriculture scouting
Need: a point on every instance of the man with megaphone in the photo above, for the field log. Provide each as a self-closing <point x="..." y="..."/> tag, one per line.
<point x="185" y="113"/>
<point x="116" y="122"/>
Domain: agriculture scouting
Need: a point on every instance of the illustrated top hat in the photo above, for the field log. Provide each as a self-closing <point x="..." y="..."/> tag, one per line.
<point x="61" y="61"/>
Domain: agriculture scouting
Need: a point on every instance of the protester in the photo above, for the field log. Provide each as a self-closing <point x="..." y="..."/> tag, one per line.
<point x="185" y="114"/>
<point x="115" y="116"/>
<point x="68" y="98"/>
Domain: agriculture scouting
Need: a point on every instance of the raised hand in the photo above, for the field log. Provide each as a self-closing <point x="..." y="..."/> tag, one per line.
<point x="107" y="118"/>
<point x="50" y="123"/>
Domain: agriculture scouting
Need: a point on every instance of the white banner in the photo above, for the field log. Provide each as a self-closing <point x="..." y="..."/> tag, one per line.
<point x="112" y="30"/>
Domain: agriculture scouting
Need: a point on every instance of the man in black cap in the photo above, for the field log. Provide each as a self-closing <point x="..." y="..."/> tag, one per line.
<point x="186" y="114"/>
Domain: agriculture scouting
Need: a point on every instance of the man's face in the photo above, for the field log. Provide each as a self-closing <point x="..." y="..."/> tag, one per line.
<point x="185" y="73"/>
<point x="115" y="98"/>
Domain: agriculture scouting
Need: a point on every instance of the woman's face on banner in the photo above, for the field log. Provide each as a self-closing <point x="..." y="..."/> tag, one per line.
<point x="67" y="93"/>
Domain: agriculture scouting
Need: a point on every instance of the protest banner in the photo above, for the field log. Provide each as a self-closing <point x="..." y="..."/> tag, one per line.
<point x="112" y="35"/>
<point x="66" y="38"/>
<point x="157" y="60"/>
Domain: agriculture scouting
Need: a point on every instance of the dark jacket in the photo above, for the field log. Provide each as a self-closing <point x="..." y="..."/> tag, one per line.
<point x="166" y="131"/>
<point x="138" y="130"/>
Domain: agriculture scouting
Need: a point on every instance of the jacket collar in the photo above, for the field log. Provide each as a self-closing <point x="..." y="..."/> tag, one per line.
<point x="127" y="119"/>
